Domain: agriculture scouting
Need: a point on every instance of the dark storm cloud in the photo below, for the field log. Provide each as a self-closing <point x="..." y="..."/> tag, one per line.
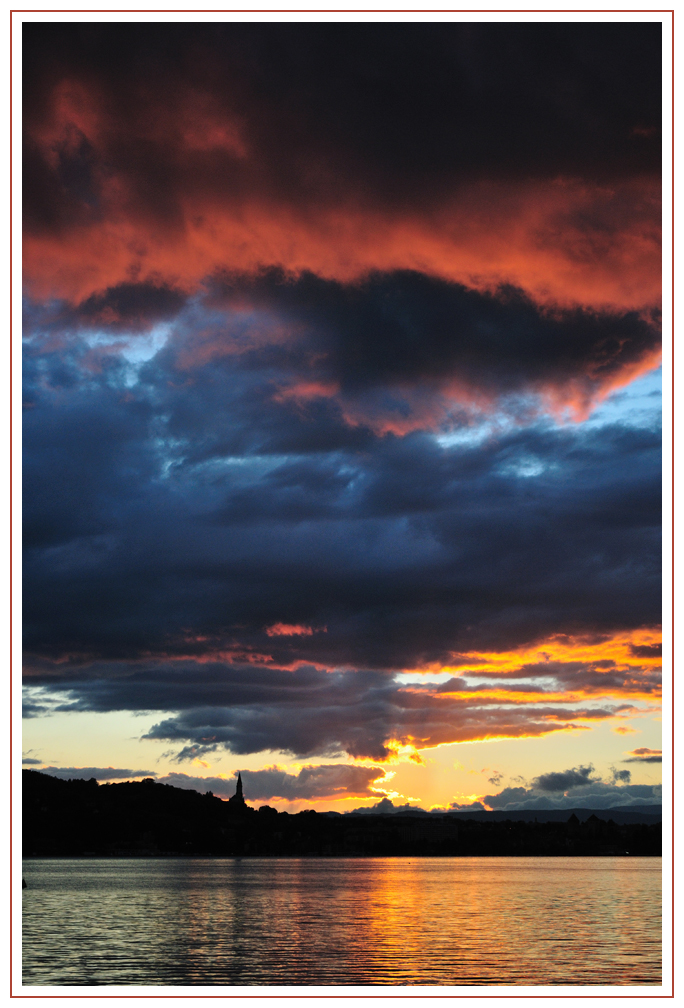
<point x="128" y="306"/>
<point x="186" y="515"/>
<point x="405" y="107"/>
<point x="332" y="723"/>
<point x="408" y="338"/>
<point x="646" y="650"/>
<point x="397" y="351"/>
<point x="305" y="712"/>
<point x="83" y="473"/>
<point x="340" y="231"/>
<point x="167" y="543"/>
<point x="526" y="153"/>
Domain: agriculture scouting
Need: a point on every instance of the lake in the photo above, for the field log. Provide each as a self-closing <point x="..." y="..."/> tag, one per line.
<point x="342" y="921"/>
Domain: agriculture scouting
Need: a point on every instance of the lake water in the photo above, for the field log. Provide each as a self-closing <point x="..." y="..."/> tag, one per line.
<point x="342" y="921"/>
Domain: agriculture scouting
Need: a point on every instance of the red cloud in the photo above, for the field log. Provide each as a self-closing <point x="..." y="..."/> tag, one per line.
<point x="558" y="241"/>
<point x="177" y="190"/>
<point x="175" y="184"/>
<point x="292" y="630"/>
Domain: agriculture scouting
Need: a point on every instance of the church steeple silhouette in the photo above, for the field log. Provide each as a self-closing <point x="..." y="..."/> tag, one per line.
<point x="237" y="802"/>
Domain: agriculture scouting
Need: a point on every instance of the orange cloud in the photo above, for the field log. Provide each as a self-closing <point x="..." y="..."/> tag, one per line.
<point x="551" y="239"/>
<point x="563" y="240"/>
<point x="644" y="755"/>
<point x="558" y="648"/>
<point x="575" y="399"/>
<point x="216" y="207"/>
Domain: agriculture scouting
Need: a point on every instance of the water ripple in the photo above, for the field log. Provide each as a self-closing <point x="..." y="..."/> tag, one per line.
<point x="342" y="921"/>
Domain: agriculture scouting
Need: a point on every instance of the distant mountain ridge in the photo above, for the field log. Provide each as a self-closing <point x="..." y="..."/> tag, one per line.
<point x="618" y="813"/>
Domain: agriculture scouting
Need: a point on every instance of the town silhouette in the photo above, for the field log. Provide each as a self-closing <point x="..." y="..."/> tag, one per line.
<point x="144" y="818"/>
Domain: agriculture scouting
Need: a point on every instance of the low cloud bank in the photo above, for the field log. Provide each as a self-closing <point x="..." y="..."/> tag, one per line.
<point x="331" y="781"/>
<point x="577" y="787"/>
<point x="87" y="773"/>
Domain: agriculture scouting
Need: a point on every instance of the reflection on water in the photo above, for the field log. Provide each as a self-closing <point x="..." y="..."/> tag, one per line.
<point x="329" y="921"/>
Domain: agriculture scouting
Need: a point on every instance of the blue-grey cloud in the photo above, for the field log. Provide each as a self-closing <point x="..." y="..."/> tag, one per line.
<point x="582" y="791"/>
<point x="171" y="523"/>
<point x="99" y="773"/>
<point x="565" y="779"/>
<point x="172" y="516"/>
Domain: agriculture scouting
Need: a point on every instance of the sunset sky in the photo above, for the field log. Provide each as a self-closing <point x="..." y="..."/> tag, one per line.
<point x="342" y="409"/>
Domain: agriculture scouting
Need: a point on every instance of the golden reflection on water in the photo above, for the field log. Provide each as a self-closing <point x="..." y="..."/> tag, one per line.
<point x="339" y="921"/>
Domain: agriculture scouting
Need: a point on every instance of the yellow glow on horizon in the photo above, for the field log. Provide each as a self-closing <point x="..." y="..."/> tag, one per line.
<point x="466" y="799"/>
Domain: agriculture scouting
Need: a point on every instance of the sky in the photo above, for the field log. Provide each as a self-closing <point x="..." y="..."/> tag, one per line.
<point x="342" y="410"/>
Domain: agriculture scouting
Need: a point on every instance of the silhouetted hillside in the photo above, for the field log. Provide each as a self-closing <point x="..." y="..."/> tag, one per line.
<point x="140" y="818"/>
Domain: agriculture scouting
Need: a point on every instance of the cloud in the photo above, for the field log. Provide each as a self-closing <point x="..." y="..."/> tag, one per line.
<point x="394" y="352"/>
<point x="307" y="371"/>
<point x="331" y="781"/>
<point x="565" y="780"/>
<point x="620" y="776"/>
<point x="99" y="773"/>
<point x="290" y="630"/>
<point x="644" y="755"/>
<point x="647" y="650"/>
<point x="29" y="761"/>
<point x="304" y="711"/>
<point x="124" y="308"/>
<point x="178" y="518"/>
<point x="434" y="346"/>
<point x="163" y="543"/>
<point x="169" y="525"/>
<point x="584" y="791"/>
<point x="29" y="709"/>
<point x="354" y="166"/>
<point x="600" y="677"/>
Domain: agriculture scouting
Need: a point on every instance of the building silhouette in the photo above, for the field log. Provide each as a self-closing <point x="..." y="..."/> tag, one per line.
<point x="237" y="802"/>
